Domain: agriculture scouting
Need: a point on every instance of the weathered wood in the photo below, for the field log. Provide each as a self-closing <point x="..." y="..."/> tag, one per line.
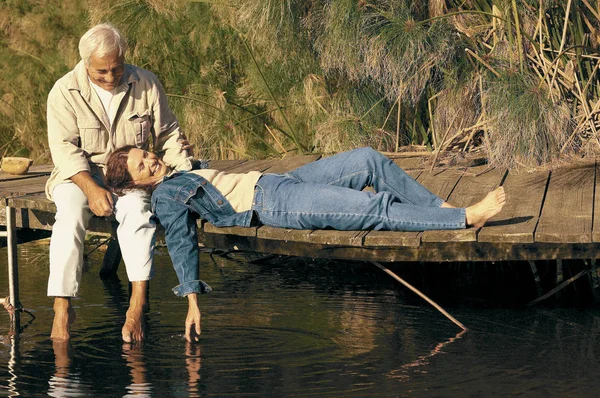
<point x="565" y="218"/>
<point x="241" y="231"/>
<point x="519" y="217"/>
<point x="596" y="220"/>
<point x="427" y="252"/>
<point x="18" y="187"/>
<point x="36" y="201"/>
<point x="252" y="165"/>
<point x="291" y="163"/>
<point x="34" y="171"/>
<point x="332" y="237"/>
<point x="472" y="187"/>
<point x="567" y="213"/>
<point x="410" y="163"/>
<point x="392" y="238"/>
<point x="283" y="234"/>
<point x="224" y="165"/>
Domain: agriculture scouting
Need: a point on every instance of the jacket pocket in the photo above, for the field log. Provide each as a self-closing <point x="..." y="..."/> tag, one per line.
<point x="139" y="124"/>
<point x="93" y="136"/>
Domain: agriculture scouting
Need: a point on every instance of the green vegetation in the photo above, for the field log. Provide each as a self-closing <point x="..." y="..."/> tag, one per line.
<point x="516" y="79"/>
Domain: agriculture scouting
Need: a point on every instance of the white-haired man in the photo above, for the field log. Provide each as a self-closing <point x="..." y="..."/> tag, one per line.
<point x="101" y="105"/>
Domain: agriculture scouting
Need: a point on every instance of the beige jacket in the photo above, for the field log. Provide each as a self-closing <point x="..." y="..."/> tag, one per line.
<point x="78" y="132"/>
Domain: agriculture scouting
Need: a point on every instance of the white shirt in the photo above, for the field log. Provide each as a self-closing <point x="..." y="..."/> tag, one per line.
<point x="106" y="97"/>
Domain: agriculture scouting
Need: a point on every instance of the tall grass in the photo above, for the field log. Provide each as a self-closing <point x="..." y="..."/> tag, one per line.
<point x="517" y="79"/>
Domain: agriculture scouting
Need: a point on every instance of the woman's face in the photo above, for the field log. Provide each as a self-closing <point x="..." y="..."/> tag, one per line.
<point x="145" y="167"/>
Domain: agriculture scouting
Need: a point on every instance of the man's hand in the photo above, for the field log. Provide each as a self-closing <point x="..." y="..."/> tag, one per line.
<point x="186" y="146"/>
<point x="192" y="321"/>
<point x="99" y="199"/>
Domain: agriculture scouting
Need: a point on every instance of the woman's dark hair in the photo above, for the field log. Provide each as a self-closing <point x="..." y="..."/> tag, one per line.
<point x="118" y="177"/>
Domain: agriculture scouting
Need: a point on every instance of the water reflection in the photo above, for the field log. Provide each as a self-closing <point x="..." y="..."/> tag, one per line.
<point x="193" y="364"/>
<point x="293" y="328"/>
<point x="63" y="383"/>
<point x="134" y="356"/>
<point x="13" y="342"/>
<point x="422" y="361"/>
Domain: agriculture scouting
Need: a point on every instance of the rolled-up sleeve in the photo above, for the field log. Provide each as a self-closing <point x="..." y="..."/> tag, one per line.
<point x="63" y="134"/>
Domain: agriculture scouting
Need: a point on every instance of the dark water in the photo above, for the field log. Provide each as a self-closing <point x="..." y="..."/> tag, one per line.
<point x="292" y="328"/>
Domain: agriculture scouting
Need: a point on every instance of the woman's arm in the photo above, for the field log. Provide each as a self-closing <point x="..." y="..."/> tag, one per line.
<point x="182" y="242"/>
<point x="181" y="237"/>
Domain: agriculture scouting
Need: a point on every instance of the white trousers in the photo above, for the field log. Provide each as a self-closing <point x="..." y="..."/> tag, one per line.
<point x="135" y="233"/>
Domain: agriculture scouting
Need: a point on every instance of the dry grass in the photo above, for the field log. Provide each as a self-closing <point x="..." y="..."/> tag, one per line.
<point x="266" y="77"/>
<point x="524" y="127"/>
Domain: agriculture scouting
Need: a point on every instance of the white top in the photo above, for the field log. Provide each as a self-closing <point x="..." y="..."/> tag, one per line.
<point x="106" y="97"/>
<point x="238" y="188"/>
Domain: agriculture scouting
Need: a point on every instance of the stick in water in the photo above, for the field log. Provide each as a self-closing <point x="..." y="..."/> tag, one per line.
<point x="420" y="294"/>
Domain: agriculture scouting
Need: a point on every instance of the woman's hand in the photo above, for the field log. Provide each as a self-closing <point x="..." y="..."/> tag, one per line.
<point x="192" y="321"/>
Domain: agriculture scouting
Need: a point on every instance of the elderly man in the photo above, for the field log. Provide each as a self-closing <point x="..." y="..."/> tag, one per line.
<point x="103" y="104"/>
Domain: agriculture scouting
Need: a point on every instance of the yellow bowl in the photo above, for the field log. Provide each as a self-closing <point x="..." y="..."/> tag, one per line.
<point x="16" y="165"/>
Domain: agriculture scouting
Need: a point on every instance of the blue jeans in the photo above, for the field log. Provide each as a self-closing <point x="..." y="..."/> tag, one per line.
<point x="328" y="194"/>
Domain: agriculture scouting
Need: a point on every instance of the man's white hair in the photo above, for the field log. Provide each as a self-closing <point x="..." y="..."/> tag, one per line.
<point x="101" y="40"/>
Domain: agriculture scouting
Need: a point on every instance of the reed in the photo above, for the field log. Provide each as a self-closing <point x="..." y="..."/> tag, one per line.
<point x="517" y="79"/>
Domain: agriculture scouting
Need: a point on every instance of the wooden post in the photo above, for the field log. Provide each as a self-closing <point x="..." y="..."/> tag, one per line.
<point x="536" y="278"/>
<point x="13" y="267"/>
<point x="112" y="258"/>
<point x="13" y="270"/>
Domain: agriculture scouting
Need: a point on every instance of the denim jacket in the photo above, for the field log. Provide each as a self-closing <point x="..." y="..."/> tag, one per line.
<point x="175" y="202"/>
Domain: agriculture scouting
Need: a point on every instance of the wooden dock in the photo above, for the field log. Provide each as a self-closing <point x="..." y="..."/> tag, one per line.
<point x="549" y="215"/>
<point x="552" y="218"/>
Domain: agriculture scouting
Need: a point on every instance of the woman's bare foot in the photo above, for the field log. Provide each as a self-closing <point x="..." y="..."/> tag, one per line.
<point x="447" y="205"/>
<point x="478" y="214"/>
<point x="64" y="316"/>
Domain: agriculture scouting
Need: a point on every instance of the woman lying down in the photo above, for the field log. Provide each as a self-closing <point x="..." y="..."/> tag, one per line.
<point x="325" y="194"/>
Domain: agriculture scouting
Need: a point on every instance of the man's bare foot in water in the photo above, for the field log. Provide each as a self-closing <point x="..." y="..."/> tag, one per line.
<point x="64" y="316"/>
<point x="133" y="329"/>
<point x="478" y="214"/>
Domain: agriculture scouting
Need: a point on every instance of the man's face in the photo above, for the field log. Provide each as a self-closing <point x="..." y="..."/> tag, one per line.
<point x="145" y="167"/>
<point x="106" y="71"/>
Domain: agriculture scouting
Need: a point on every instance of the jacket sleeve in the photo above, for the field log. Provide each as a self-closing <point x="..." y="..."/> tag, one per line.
<point x="167" y="134"/>
<point x="182" y="243"/>
<point x="63" y="134"/>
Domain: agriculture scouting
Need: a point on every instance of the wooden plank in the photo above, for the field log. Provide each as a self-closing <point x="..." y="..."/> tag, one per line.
<point x="392" y="238"/>
<point x="21" y="187"/>
<point x="34" y="171"/>
<point x="596" y="225"/>
<point x="411" y="163"/>
<point x="252" y="165"/>
<point x="567" y="213"/>
<point x="224" y="165"/>
<point x="472" y="187"/>
<point x="441" y="182"/>
<point x="519" y="217"/>
<point x="240" y="231"/>
<point x="333" y="237"/>
<point x="427" y="252"/>
<point x="283" y="234"/>
<point x="291" y="163"/>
